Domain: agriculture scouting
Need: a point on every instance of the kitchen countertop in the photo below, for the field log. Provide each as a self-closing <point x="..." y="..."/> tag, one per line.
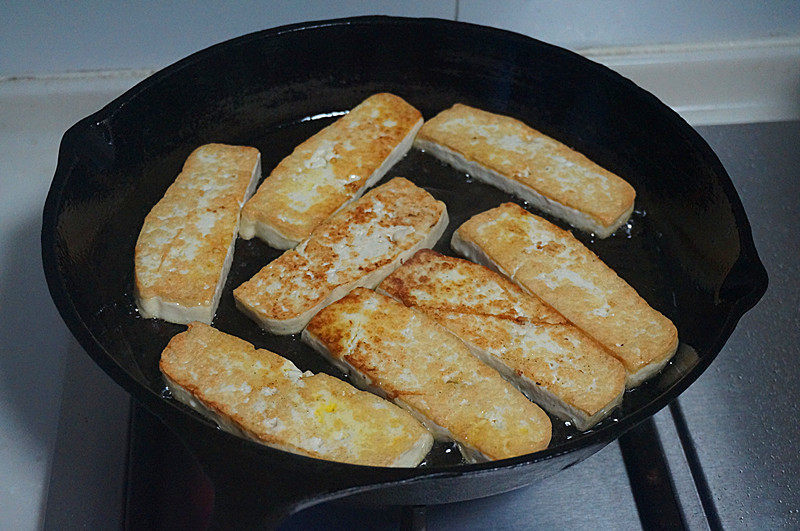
<point x="736" y="463"/>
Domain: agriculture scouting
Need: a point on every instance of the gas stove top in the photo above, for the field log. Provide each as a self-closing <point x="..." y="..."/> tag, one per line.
<point x="722" y="455"/>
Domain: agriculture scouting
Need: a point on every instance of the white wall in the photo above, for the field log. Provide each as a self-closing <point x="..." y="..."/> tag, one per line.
<point x="49" y="37"/>
<point x="579" y="24"/>
<point x="46" y="37"/>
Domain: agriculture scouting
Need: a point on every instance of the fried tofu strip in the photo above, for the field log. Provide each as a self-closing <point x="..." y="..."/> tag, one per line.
<point x="404" y="355"/>
<point x="330" y="169"/>
<point x="520" y="160"/>
<point x="358" y="246"/>
<point x="262" y="396"/>
<point x="545" y="356"/>
<point x="185" y="247"/>
<point x="553" y="265"/>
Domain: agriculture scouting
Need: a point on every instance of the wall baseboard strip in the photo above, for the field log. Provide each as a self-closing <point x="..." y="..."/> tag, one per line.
<point x="716" y="83"/>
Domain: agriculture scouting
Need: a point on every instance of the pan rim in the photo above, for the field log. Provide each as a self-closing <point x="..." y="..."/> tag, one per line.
<point x="70" y="151"/>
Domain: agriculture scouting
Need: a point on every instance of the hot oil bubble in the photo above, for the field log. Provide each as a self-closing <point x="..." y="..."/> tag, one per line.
<point x="627" y="228"/>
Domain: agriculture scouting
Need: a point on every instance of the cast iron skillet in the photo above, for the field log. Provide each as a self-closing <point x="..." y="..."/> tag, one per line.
<point x="688" y="249"/>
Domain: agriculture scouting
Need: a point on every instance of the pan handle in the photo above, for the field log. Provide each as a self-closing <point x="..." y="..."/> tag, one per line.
<point x="245" y="497"/>
<point x="746" y="282"/>
<point x="254" y="488"/>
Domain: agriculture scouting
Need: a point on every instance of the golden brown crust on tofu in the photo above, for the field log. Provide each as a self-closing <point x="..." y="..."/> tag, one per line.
<point x="552" y="264"/>
<point x="572" y="186"/>
<point x="271" y="401"/>
<point x="330" y="169"/>
<point x="535" y="346"/>
<point x="186" y="243"/>
<point x="429" y="371"/>
<point x="358" y="246"/>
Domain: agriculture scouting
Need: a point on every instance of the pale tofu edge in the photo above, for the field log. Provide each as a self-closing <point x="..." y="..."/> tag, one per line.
<point x="408" y="459"/>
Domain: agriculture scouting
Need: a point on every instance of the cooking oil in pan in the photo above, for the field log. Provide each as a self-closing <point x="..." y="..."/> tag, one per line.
<point x="464" y="197"/>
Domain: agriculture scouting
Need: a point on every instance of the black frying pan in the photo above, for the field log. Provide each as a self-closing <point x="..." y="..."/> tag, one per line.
<point x="688" y="249"/>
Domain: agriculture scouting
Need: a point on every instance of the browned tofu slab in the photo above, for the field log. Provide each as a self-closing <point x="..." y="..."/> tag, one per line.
<point x="545" y="356"/>
<point x="262" y="396"/>
<point x="358" y="246"/>
<point x="518" y="159"/>
<point x="553" y="265"/>
<point x="404" y="355"/>
<point x="330" y="169"/>
<point x="185" y="247"/>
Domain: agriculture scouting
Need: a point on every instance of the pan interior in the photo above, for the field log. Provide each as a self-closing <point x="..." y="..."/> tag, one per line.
<point x="272" y="91"/>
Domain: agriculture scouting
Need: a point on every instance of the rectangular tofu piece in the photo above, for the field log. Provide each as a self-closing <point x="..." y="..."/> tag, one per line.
<point x="359" y="246"/>
<point x="520" y="160"/>
<point x="329" y="170"/>
<point x="553" y="265"/>
<point x="259" y="395"/>
<point x="402" y="354"/>
<point x="545" y="356"/>
<point x="185" y="247"/>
